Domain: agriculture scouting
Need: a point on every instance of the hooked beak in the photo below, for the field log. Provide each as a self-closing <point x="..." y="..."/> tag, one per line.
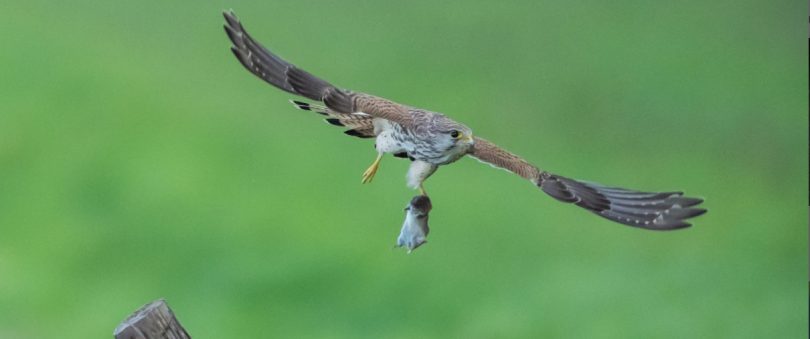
<point x="468" y="139"/>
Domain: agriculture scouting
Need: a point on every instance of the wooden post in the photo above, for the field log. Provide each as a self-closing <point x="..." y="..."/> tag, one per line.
<point x="154" y="320"/>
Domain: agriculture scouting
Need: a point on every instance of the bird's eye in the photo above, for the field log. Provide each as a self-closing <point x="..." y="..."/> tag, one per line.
<point x="455" y="134"/>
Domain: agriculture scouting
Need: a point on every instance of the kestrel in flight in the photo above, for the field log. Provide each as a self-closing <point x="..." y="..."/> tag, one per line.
<point x="431" y="140"/>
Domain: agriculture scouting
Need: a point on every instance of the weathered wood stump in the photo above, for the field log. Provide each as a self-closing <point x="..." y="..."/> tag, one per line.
<point x="154" y="320"/>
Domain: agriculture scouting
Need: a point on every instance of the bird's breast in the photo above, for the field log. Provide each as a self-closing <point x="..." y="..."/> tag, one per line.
<point x="428" y="147"/>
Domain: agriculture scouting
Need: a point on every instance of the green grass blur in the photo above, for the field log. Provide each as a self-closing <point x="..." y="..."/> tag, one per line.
<point x="139" y="160"/>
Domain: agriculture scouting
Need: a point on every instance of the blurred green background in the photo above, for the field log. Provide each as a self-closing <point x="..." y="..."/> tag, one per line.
<point x="139" y="160"/>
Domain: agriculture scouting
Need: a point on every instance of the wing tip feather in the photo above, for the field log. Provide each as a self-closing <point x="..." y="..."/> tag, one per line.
<point x="646" y="210"/>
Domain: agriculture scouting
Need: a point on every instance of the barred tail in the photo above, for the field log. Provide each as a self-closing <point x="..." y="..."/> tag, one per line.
<point x="648" y="210"/>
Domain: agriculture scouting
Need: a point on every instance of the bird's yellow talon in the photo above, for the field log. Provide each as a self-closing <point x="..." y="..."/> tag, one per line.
<point x="368" y="175"/>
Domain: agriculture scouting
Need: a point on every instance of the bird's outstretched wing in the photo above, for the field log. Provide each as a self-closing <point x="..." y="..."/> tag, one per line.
<point x="649" y="210"/>
<point x="286" y="76"/>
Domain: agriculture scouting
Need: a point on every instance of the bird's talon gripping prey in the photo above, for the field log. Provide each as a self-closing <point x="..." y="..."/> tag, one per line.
<point x="368" y="175"/>
<point x="431" y="140"/>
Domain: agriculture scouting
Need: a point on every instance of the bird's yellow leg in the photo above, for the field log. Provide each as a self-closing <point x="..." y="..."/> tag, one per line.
<point x="369" y="173"/>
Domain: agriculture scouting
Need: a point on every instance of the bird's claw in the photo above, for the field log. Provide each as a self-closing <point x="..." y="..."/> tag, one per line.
<point x="368" y="175"/>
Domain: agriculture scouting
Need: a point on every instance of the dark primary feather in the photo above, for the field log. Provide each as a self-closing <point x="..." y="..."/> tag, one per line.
<point x="648" y="210"/>
<point x="286" y="76"/>
<point x="279" y="73"/>
<point x="283" y="75"/>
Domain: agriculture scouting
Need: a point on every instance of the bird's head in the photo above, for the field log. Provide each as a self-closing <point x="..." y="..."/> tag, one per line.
<point x="457" y="138"/>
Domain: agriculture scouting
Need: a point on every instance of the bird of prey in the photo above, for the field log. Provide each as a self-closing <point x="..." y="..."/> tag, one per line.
<point x="431" y="140"/>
